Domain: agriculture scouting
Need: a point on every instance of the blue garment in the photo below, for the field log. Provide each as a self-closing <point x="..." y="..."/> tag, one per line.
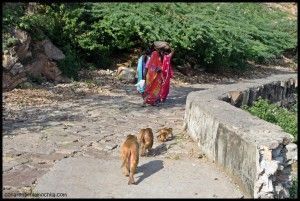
<point x="141" y="72"/>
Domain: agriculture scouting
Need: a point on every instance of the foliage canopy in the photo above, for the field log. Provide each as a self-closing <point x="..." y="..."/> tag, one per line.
<point x="215" y="35"/>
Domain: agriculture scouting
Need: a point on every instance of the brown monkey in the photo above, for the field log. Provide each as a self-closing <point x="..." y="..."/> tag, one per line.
<point x="130" y="157"/>
<point x="145" y="139"/>
<point x="164" y="133"/>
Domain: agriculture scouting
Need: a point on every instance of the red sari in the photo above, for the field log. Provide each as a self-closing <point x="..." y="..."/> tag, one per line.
<point x="167" y="74"/>
<point x="154" y="79"/>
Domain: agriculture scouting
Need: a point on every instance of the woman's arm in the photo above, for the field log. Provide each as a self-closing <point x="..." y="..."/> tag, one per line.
<point x="172" y="52"/>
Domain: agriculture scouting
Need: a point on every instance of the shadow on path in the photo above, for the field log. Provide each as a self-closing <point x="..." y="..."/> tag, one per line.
<point x="158" y="150"/>
<point x="149" y="169"/>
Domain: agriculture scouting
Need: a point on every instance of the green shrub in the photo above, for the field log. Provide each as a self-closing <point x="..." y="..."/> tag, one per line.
<point x="10" y="19"/>
<point x="71" y="64"/>
<point x="294" y="189"/>
<point x="272" y="113"/>
<point x="216" y="35"/>
<point x="11" y="14"/>
<point x="37" y="79"/>
<point x="8" y="41"/>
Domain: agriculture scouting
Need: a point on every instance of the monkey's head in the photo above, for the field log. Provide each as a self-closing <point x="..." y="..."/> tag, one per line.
<point x="131" y="137"/>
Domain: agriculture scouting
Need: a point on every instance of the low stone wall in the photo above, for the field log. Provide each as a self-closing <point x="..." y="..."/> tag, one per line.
<point x="256" y="154"/>
<point x="280" y="92"/>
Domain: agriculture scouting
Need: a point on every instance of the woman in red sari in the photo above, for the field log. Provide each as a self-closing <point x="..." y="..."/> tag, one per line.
<point x="158" y="75"/>
<point x="167" y="74"/>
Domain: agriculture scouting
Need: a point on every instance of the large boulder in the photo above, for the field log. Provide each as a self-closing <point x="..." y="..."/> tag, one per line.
<point x="14" y="72"/>
<point x="22" y="49"/>
<point x="9" y="82"/>
<point x="36" y="59"/>
<point x="17" y="68"/>
<point x="52" y="51"/>
<point x="52" y="72"/>
<point x="235" y="97"/>
<point x="35" y="67"/>
<point x="42" y="66"/>
<point x="8" y="61"/>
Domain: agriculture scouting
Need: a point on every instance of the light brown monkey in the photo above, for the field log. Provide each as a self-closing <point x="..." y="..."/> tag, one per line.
<point x="145" y="139"/>
<point x="164" y="133"/>
<point x="130" y="157"/>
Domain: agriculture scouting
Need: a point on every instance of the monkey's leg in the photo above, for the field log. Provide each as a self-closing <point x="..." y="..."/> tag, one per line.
<point x="143" y="150"/>
<point x="133" y="167"/>
<point x="126" y="168"/>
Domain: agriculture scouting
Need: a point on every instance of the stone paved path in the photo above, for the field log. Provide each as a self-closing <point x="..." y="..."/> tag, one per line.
<point x="73" y="146"/>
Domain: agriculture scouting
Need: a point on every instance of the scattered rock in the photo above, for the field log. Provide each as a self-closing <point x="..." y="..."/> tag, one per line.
<point x="291" y="152"/>
<point x="126" y="74"/>
<point x="235" y="97"/>
<point x="26" y="85"/>
<point x="201" y="156"/>
<point x="111" y="147"/>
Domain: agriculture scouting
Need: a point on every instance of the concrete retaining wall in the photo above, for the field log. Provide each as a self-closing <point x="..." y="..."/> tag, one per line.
<point x="255" y="153"/>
